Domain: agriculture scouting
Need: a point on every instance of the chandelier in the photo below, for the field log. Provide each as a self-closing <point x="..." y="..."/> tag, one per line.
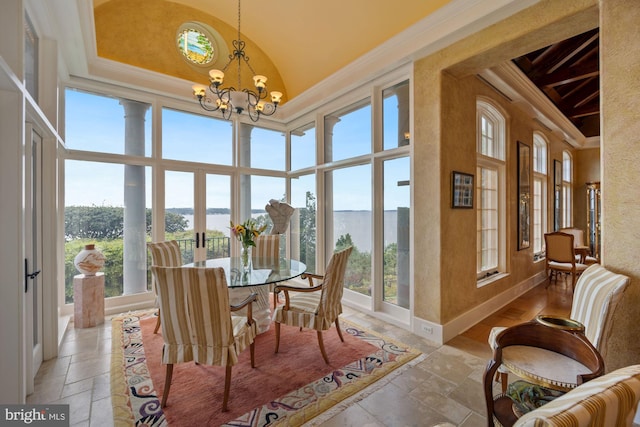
<point x="228" y="100"/>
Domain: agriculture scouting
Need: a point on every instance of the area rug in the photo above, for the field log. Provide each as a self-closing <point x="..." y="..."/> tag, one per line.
<point x="288" y="388"/>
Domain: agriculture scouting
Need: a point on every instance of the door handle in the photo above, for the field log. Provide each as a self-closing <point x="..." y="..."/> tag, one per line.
<point x="28" y="275"/>
<point x="197" y="240"/>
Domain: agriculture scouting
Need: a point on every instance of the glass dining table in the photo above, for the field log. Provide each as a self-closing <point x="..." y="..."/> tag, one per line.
<point x="261" y="278"/>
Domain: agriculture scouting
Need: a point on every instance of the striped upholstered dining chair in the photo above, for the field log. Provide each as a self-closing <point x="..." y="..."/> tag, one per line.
<point x="164" y="254"/>
<point x="197" y="324"/>
<point x="318" y="306"/>
<point x="609" y="400"/>
<point x="266" y="253"/>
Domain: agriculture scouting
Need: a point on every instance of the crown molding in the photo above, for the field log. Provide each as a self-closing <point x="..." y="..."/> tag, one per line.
<point x="451" y="23"/>
<point x="510" y="81"/>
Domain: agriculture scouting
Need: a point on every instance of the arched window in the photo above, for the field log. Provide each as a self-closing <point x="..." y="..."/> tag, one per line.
<point x="539" y="193"/>
<point x="490" y="190"/>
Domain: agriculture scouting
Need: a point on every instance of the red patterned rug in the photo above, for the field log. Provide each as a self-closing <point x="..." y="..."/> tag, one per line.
<point x="288" y="388"/>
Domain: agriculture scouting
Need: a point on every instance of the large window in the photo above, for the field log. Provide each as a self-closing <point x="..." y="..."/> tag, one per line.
<point x="97" y="123"/>
<point x="567" y="174"/>
<point x="539" y="193"/>
<point x="303" y="147"/>
<point x="303" y="222"/>
<point x="196" y="138"/>
<point x="347" y="133"/>
<point x="396" y="116"/>
<point x="351" y="219"/>
<point x="397" y="232"/>
<point x="267" y="149"/>
<point x="491" y="130"/>
<point x="97" y="212"/>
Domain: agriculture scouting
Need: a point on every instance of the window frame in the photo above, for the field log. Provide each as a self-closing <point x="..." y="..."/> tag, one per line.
<point x="540" y="168"/>
<point x="567" y="193"/>
<point x="492" y="158"/>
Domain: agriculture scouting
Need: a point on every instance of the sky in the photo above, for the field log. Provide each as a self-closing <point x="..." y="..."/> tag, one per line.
<point x="96" y="123"/>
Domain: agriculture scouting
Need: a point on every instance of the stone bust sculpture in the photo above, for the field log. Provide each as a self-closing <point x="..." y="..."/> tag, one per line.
<point x="280" y="213"/>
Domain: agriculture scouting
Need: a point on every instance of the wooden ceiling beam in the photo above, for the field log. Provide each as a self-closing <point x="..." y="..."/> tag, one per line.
<point x="569" y="75"/>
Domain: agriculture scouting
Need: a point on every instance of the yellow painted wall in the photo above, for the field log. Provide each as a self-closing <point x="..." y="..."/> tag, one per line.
<point x="620" y="100"/>
<point x="444" y="127"/>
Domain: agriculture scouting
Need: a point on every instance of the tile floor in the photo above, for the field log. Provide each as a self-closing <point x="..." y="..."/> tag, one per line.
<point x="445" y="387"/>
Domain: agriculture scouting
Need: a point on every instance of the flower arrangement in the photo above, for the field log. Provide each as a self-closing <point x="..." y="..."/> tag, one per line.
<point x="246" y="232"/>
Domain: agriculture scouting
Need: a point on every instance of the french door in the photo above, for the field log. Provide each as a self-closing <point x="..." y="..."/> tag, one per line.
<point x="33" y="254"/>
<point x="203" y="199"/>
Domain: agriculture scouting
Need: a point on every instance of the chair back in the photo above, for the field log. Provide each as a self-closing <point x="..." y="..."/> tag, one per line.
<point x="196" y="316"/>
<point x="578" y="235"/>
<point x="172" y="298"/>
<point x="266" y="253"/>
<point x="330" y="305"/>
<point x="597" y="293"/>
<point x="609" y="400"/>
<point x="165" y="254"/>
<point x="559" y="247"/>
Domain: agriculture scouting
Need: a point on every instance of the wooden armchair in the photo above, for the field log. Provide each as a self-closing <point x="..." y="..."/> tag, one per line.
<point x="318" y="306"/>
<point x="551" y="357"/>
<point x="560" y="256"/>
<point x="197" y="324"/>
<point x="164" y="254"/>
<point x="595" y="298"/>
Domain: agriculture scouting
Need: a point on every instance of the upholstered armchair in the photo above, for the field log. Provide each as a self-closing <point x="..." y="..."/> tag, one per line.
<point x="164" y="254"/>
<point x="560" y="256"/>
<point x="318" y="306"/>
<point x="197" y="324"/>
<point x="610" y="400"/>
<point x="595" y="298"/>
<point x="578" y="244"/>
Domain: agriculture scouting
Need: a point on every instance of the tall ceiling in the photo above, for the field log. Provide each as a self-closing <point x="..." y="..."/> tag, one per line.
<point x="568" y="73"/>
<point x="313" y="48"/>
<point x="306" y="41"/>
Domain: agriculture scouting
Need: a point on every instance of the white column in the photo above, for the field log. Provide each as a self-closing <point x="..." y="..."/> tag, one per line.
<point x="329" y="124"/>
<point x="135" y="225"/>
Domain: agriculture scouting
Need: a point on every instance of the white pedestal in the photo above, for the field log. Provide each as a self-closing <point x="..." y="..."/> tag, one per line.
<point x="88" y="300"/>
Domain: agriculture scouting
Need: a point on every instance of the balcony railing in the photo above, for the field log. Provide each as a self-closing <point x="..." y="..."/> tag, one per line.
<point x="217" y="247"/>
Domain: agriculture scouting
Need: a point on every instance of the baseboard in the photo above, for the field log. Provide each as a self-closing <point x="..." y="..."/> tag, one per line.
<point x="440" y="334"/>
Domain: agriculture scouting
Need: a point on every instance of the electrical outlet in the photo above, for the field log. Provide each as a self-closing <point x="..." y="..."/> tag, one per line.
<point x="427" y="329"/>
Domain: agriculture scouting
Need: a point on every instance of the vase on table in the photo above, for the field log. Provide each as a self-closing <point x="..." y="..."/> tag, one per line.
<point x="245" y="258"/>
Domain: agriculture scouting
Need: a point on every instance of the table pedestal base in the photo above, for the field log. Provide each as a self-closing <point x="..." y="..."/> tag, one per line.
<point x="261" y="307"/>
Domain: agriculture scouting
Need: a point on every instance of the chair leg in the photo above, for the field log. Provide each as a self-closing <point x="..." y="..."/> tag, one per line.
<point x="252" y="348"/>
<point x="338" y="329"/>
<point x="167" y="384"/>
<point x="324" y="353"/>
<point x="504" y="377"/>
<point x="227" y="385"/>
<point x="277" y="336"/>
<point x="155" y="330"/>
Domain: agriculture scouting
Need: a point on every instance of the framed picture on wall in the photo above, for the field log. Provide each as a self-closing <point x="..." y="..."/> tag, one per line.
<point x="461" y="190"/>
<point x="524" y="196"/>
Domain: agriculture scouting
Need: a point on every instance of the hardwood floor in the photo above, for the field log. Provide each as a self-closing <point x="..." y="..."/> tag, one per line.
<point x="555" y="299"/>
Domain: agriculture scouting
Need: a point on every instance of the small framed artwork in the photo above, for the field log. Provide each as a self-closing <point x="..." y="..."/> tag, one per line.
<point x="461" y="190"/>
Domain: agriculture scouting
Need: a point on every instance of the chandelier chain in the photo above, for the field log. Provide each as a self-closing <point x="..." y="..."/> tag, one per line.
<point x="226" y="99"/>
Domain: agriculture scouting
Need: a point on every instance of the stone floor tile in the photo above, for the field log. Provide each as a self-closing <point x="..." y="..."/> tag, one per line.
<point x="353" y="416"/>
